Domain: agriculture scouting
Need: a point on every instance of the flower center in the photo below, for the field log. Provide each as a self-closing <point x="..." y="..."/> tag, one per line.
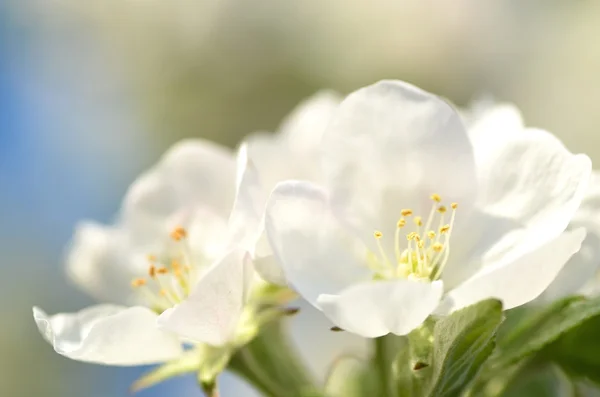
<point x="170" y="277"/>
<point x="427" y="246"/>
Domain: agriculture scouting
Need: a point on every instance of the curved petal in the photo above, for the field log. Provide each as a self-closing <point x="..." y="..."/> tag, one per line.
<point x="246" y="222"/>
<point x="107" y="334"/>
<point x="293" y="153"/>
<point x="391" y="146"/>
<point x="377" y="308"/>
<point x="530" y="177"/>
<point x="518" y="281"/>
<point x="497" y="119"/>
<point x="98" y="262"/>
<point x="212" y="312"/>
<point x="578" y="275"/>
<point x="303" y="127"/>
<point x="316" y="255"/>
<point x="192" y="172"/>
<point x="266" y="264"/>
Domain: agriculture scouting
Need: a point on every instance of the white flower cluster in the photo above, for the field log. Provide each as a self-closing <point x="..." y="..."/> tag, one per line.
<point x="381" y="210"/>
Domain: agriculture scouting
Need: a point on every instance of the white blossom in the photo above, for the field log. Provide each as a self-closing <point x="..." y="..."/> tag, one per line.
<point x="418" y="216"/>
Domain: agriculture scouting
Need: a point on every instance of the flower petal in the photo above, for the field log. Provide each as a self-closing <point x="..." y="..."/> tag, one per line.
<point x="519" y="281"/>
<point x="107" y="334"/>
<point x="191" y="173"/>
<point x="316" y="255"/>
<point x="528" y="175"/>
<point x="212" y="312"/>
<point x="391" y="146"/>
<point x="377" y="308"/>
<point x="246" y="222"/>
<point x="293" y="153"/>
<point x="578" y="275"/>
<point x="97" y="261"/>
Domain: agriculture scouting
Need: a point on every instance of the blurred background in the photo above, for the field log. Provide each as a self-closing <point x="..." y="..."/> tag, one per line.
<point x="91" y="92"/>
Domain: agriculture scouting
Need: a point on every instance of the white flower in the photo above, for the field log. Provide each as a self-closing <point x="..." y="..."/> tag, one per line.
<point x="494" y="209"/>
<point x="171" y="244"/>
<point x="292" y="153"/>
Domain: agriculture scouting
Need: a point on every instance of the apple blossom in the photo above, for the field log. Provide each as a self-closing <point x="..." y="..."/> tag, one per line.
<point x="418" y="216"/>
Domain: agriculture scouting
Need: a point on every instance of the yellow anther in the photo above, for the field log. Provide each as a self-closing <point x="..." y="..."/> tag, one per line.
<point x="454" y="206"/>
<point x="401" y="223"/>
<point x="162" y="270"/>
<point x="152" y="258"/>
<point x="175" y="265"/>
<point x="444" y="229"/>
<point x="163" y="292"/>
<point x="442" y="209"/>
<point x="138" y="282"/>
<point x="421" y="244"/>
<point x="178" y="233"/>
<point x="436" y="198"/>
<point x="377" y="234"/>
<point x="438" y="247"/>
<point x="410" y="236"/>
<point x="417" y="237"/>
<point x="431" y="234"/>
<point x="418" y="221"/>
<point x="152" y="271"/>
<point x="406" y="212"/>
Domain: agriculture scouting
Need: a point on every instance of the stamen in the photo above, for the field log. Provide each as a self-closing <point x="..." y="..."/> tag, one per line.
<point x="436" y="197"/>
<point x="442" y="209"/>
<point x="162" y="270"/>
<point x="179" y="233"/>
<point x="152" y="271"/>
<point x="437" y="247"/>
<point x="445" y="229"/>
<point x="151" y="258"/>
<point x="378" y="235"/>
<point x="431" y="234"/>
<point x="406" y="212"/>
<point x="138" y="282"/>
<point x="418" y="221"/>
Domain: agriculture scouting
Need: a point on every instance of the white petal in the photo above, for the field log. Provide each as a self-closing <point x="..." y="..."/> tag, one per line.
<point x="107" y="334"/>
<point x="373" y="309"/>
<point x="303" y="127"/>
<point x="518" y="281"/>
<point x="528" y="176"/>
<point x="266" y="264"/>
<point x="497" y="119"/>
<point x="191" y="173"/>
<point x="98" y="262"/>
<point x="293" y="153"/>
<point x="391" y="146"/>
<point x="212" y="311"/>
<point x="578" y="275"/>
<point x="316" y="255"/>
<point x="246" y="222"/>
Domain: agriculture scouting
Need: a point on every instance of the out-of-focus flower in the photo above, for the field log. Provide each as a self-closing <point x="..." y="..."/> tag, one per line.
<point x="292" y="153"/>
<point x="579" y="275"/>
<point x="171" y="244"/>
<point x="496" y="207"/>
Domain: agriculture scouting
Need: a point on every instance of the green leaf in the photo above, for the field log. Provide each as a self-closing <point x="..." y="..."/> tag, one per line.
<point x="543" y="328"/>
<point x="544" y="380"/>
<point x="462" y="343"/>
<point x="578" y="351"/>
<point x="412" y="366"/>
<point x="188" y="363"/>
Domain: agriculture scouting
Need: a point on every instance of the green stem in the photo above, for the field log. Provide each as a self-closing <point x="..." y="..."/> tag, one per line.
<point x="385" y="350"/>
<point x="271" y="365"/>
